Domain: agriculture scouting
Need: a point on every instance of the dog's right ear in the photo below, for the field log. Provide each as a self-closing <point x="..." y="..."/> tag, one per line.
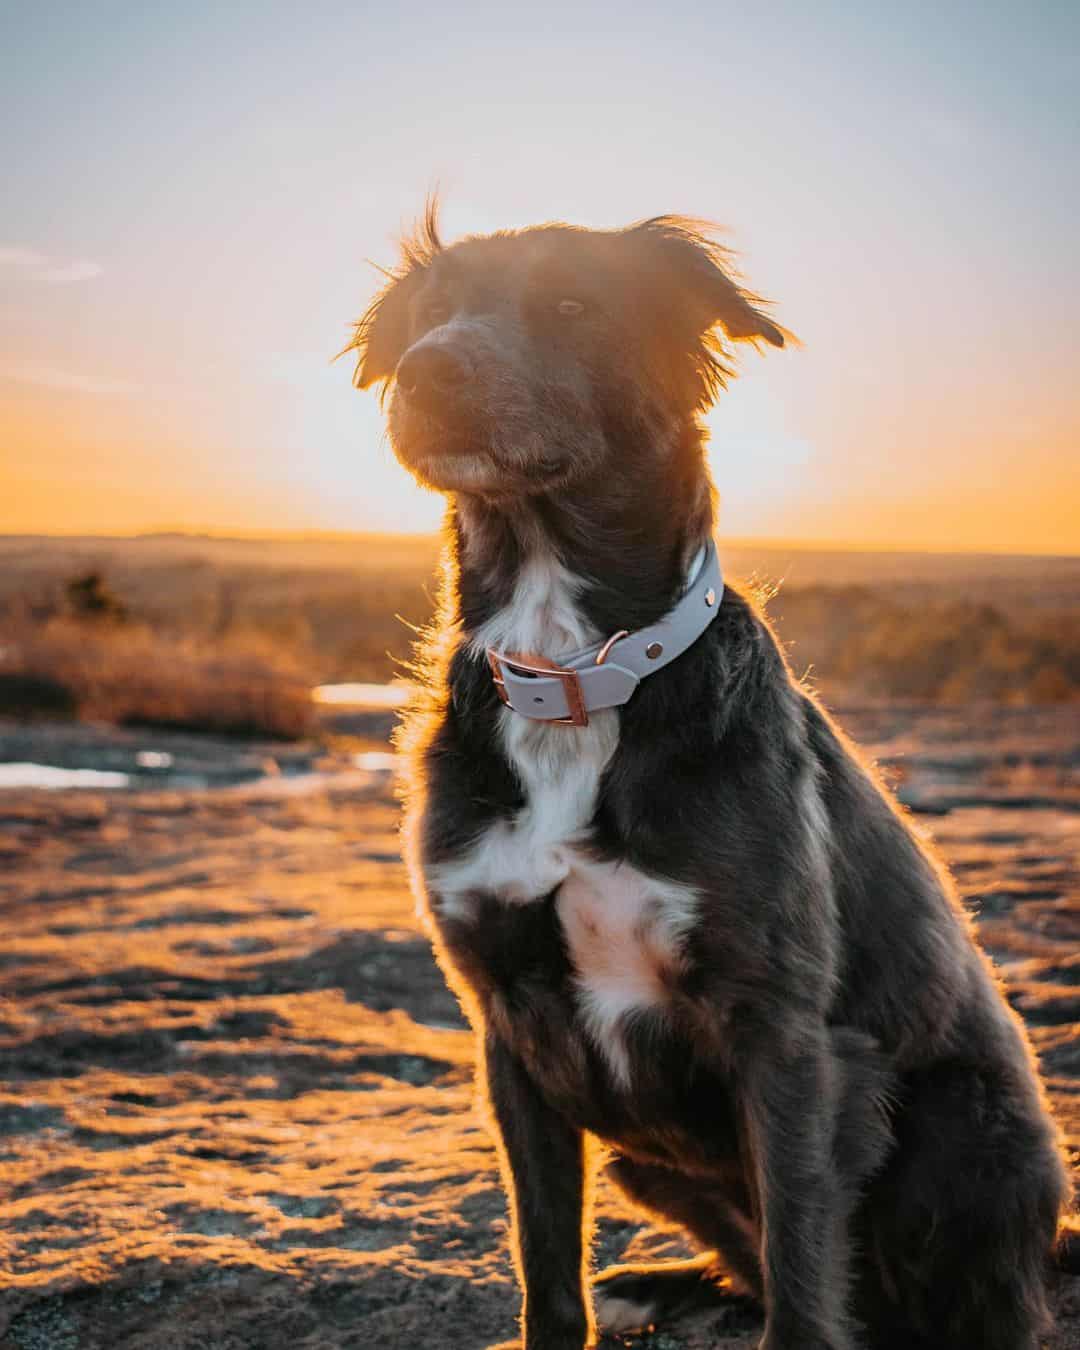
<point x="381" y="335"/>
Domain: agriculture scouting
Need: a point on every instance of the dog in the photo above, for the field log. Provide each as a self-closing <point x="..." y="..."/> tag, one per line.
<point x="681" y="913"/>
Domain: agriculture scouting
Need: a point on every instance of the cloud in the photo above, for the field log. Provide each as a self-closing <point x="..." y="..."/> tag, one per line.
<point x="28" y="264"/>
<point x="72" y="271"/>
<point x="49" y="378"/>
<point x="21" y="257"/>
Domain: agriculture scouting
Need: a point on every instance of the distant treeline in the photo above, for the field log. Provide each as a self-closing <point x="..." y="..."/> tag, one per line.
<point x="231" y="638"/>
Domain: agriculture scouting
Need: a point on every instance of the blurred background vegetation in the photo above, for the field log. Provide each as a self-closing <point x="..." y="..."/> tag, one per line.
<point x="229" y="635"/>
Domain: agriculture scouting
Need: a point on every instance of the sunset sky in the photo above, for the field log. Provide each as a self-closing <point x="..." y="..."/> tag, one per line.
<point x="190" y="192"/>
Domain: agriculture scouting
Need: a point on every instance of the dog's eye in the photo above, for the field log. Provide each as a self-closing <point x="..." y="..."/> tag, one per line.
<point x="570" y="309"/>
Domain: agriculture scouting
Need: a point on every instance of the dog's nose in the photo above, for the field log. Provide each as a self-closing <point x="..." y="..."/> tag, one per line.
<point x="429" y="373"/>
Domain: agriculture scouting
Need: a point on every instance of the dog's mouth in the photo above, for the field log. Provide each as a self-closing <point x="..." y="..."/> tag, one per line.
<point x="455" y="456"/>
<point x="480" y="471"/>
<point x="453" y="470"/>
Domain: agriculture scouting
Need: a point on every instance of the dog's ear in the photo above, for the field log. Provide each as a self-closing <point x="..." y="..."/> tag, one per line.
<point x="701" y="269"/>
<point x="381" y="335"/>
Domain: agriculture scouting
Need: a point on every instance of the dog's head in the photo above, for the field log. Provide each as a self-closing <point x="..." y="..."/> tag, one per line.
<point x="520" y="362"/>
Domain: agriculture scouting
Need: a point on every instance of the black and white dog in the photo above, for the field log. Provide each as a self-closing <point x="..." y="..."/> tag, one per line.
<point x="682" y="915"/>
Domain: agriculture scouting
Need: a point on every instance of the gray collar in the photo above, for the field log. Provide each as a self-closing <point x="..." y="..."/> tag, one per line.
<point x="605" y="674"/>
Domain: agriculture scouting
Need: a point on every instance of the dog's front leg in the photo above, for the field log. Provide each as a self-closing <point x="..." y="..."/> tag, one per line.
<point x="544" y="1163"/>
<point x="791" y="1097"/>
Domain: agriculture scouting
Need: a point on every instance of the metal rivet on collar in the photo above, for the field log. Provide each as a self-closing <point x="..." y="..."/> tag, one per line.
<point x="654" y="649"/>
<point x="710" y="597"/>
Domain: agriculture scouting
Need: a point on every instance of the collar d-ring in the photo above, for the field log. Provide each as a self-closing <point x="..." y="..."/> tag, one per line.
<point x="605" y="651"/>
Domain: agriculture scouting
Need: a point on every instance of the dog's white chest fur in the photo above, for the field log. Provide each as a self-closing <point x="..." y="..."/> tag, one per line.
<point x="625" y="932"/>
<point x="623" y="928"/>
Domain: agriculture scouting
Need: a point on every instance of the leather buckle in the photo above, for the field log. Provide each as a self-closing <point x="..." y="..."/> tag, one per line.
<point x="540" y="667"/>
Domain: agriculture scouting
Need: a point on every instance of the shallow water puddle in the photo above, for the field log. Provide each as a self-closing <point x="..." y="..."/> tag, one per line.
<point x="48" y="776"/>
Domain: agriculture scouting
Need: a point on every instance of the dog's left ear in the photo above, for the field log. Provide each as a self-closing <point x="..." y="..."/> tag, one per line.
<point x="701" y="270"/>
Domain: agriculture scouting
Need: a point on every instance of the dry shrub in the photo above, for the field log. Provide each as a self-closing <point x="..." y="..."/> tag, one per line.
<point x="225" y="633"/>
<point x="861" y="643"/>
<point x="129" y="674"/>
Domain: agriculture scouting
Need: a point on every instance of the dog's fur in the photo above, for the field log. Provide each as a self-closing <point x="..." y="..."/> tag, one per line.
<point x="697" y="928"/>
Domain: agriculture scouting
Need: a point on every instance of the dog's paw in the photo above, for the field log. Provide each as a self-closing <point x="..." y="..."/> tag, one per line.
<point x="636" y="1297"/>
<point x="616" y="1314"/>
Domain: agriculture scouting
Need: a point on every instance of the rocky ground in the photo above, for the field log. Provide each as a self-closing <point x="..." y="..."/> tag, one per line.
<point x="236" y="1103"/>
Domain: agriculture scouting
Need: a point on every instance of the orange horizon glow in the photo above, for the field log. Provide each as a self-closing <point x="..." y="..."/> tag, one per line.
<point x="97" y="474"/>
<point x="778" y="543"/>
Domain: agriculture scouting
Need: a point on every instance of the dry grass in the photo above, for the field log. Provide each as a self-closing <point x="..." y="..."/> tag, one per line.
<point x="130" y="674"/>
<point x="229" y="634"/>
<point x="861" y="643"/>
